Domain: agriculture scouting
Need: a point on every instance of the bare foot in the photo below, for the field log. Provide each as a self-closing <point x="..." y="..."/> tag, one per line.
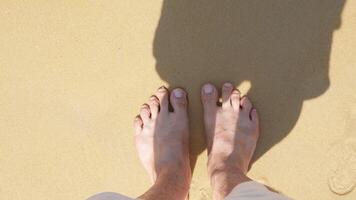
<point x="231" y="131"/>
<point x="162" y="141"/>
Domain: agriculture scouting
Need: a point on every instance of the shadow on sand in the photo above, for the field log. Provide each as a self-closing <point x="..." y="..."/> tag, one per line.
<point x="282" y="47"/>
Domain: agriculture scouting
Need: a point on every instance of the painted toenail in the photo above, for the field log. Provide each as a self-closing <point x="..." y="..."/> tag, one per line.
<point x="208" y="89"/>
<point x="178" y="93"/>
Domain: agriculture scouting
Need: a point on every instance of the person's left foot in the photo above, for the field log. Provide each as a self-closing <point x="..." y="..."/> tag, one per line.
<point x="162" y="137"/>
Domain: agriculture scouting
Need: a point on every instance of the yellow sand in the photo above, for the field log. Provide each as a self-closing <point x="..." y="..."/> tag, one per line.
<point x="74" y="73"/>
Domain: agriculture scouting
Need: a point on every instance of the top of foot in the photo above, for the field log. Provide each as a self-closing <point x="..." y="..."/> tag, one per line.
<point x="231" y="129"/>
<point x="162" y="137"/>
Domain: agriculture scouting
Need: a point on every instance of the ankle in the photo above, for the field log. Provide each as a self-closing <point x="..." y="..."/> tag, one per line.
<point x="179" y="174"/>
<point x="179" y="168"/>
<point x="225" y="180"/>
<point x="170" y="184"/>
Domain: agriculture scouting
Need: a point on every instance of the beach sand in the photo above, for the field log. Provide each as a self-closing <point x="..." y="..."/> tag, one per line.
<point x="73" y="75"/>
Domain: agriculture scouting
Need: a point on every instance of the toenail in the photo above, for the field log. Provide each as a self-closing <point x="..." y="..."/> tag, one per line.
<point x="228" y="85"/>
<point x="162" y="89"/>
<point x="235" y="91"/>
<point x="153" y="97"/>
<point x="208" y="89"/>
<point x="178" y="93"/>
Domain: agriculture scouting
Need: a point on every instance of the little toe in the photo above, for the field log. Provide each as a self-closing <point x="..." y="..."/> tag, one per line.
<point x="209" y="97"/>
<point x="179" y="100"/>
<point x="162" y="95"/>
<point x="138" y="125"/>
<point x="145" y="113"/>
<point x="226" y="94"/>
<point x="153" y="102"/>
<point x="235" y="99"/>
<point x="254" y="116"/>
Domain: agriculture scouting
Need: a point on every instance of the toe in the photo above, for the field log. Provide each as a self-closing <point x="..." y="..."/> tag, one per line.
<point x="226" y="94"/>
<point x="179" y="100"/>
<point x="145" y="113"/>
<point x="254" y="116"/>
<point x="246" y="104"/>
<point x="162" y="95"/>
<point x="138" y="125"/>
<point x="209" y="97"/>
<point x="235" y="99"/>
<point x="153" y="102"/>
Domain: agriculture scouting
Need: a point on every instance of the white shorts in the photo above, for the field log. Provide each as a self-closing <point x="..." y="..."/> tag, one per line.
<point x="250" y="190"/>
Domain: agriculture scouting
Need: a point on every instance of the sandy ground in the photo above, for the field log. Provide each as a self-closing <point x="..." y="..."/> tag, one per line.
<point x="74" y="73"/>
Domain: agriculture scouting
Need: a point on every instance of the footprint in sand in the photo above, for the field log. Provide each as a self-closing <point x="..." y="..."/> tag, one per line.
<point x="342" y="175"/>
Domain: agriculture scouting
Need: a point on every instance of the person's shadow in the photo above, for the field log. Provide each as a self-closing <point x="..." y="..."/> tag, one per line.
<point x="282" y="47"/>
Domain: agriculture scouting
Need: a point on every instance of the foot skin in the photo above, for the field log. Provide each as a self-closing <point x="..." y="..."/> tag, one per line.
<point x="162" y="141"/>
<point x="232" y="130"/>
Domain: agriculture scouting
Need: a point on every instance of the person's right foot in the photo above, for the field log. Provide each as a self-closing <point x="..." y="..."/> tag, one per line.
<point x="231" y="132"/>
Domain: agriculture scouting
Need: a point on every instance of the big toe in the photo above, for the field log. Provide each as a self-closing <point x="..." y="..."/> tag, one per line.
<point x="209" y="97"/>
<point x="178" y="100"/>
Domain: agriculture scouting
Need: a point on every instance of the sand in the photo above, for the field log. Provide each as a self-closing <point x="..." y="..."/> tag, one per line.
<point x="74" y="73"/>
